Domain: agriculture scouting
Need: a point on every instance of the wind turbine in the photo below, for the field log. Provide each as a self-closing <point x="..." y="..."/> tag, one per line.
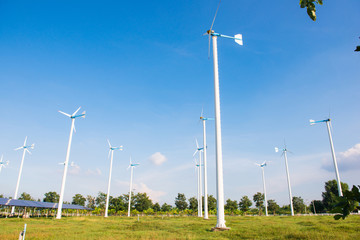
<point x="131" y="166"/>
<point x="288" y="177"/>
<point x="197" y="169"/>
<point x="25" y="149"/>
<point x="66" y="163"/>
<point x="328" y="123"/>
<point x="204" y="119"/>
<point x="199" y="150"/>
<point x="111" y="152"/>
<point x="263" y="177"/>
<point x="219" y="162"/>
<point x="2" y="163"/>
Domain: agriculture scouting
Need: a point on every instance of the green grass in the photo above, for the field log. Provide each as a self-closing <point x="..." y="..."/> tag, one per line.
<point x="272" y="227"/>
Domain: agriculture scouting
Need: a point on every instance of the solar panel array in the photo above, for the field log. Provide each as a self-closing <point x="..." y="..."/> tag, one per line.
<point x="34" y="204"/>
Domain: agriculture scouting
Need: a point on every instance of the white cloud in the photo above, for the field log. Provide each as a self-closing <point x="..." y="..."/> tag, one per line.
<point x="74" y="170"/>
<point x="348" y="160"/>
<point x="95" y="172"/>
<point x="154" y="195"/>
<point x="158" y="158"/>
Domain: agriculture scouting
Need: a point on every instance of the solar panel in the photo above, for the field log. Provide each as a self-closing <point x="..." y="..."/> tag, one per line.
<point x="34" y="204"/>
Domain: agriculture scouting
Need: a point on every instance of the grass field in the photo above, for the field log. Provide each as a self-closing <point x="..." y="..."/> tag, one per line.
<point x="272" y="227"/>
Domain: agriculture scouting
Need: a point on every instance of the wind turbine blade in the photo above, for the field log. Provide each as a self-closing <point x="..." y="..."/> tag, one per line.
<point x="109" y="143"/>
<point x="76" y="111"/>
<point x="83" y="114"/>
<point x="312" y="122"/>
<point x="74" y="128"/>
<point x="25" y="141"/>
<point x="18" y="148"/>
<point x="65" y="113"/>
<point x="27" y="151"/>
<point x="257" y="164"/>
<point x="217" y="9"/>
<point x="197" y="144"/>
<point x="32" y="146"/>
<point x="1" y="158"/>
<point x="195" y="152"/>
<point x="276" y="149"/>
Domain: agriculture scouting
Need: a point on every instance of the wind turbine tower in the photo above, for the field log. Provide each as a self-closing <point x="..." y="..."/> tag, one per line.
<point x="328" y="124"/>
<point x="131" y="166"/>
<point x="263" y="178"/>
<point x="25" y="149"/>
<point x="219" y="162"/>
<point x="206" y="211"/>
<point x="288" y="177"/>
<point x="111" y="152"/>
<point x="199" y="150"/>
<point x="66" y="163"/>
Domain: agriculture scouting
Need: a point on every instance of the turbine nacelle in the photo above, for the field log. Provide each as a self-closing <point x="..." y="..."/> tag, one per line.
<point x="261" y="165"/>
<point x="73" y="116"/>
<point x="313" y="122"/>
<point x="111" y="148"/>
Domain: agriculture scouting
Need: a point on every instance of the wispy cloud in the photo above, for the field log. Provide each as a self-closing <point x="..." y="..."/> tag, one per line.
<point x="158" y="158"/>
<point x="95" y="172"/>
<point x="153" y="194"/>
<point x="347" y="160"/>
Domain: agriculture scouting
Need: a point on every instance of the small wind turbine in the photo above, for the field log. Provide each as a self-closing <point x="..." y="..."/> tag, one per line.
<point x="263" y="177"/>
<point x="25" y="149"/>
<point x="204" y="119"/>
<point x="219" y="163"/>
<point x="2" y="163"/>
<point x="199" y="150"/>
<point x="284" y="152"/>
<point x="328" y="124"/>
<point x="131" y="166"/>
<point x="111" y="152"/>
<point x="72" y="129"/>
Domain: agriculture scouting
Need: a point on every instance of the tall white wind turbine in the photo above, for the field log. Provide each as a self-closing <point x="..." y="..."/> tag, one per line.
<point x="66" y="164"/>
<point x="219" y="162"/>
<point x="25" y="149"/>
<point x="328" y="123"/>
<point x="263" y="178"/>
<point x="284" y="152"/>
<point x="3" y="163"/>
<point x="199" y="150"/>
<point x="111" y="152"/>
<point x="206" y="211"/>
<point x="131" y="166"/>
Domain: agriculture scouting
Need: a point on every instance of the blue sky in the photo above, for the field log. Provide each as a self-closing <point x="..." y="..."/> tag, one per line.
<point x="141" y="72"/>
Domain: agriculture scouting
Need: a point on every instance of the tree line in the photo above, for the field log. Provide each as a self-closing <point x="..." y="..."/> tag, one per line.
<point x="141" y="203"/>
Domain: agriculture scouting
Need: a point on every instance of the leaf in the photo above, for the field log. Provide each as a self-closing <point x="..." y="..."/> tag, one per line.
<point x="338" y="216"/>
<point x="357" y="49"/>
<point x="320" y="2"/>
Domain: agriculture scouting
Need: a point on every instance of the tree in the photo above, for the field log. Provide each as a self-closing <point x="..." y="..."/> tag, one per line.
<point x="166" y="207"/>
<point x="100" y="200"/>
<point x="1" y="196"/>
<point x="231" y="205"/>
<point x="26" y="196"/>
<point x="90" y="202"/>
<point x="156" y="207"/>
<point x="259" y="201"/>
<point x="51" y="197"/>
<point x="273" y="206"/>
<point x="78" y="199"/>
<point x="317" y="206"/>
<point x="211" y="203"/>
<point x="180" y="202"/>
<point x="298" y="204"/>
<point x="193" y="203"/>
<point x="331" y="193"/>
<point x="118" y="204"/>
<point x="126" y="200"/>
<point x="310" y="7"/>
<point x="142" y="202"/>
<point x="347" y="203"/>
<point x="245" y="204"/>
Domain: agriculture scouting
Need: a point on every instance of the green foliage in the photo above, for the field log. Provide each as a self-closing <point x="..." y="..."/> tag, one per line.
<point x="347" y="203"/>
<point x="231" y="205"/>
<point x="142" y="202"/>
<point x="259" y="199"/>
<point x="212" y="203"/>
<point x="166" y="207"/>
<point x="51" y="197"/>
<point x="90" y="201"/>
<point x="26" y="196"/>
<point x="118" y="203"/>
<point x="193" y="203"/>
<point x="78" y="199"/>
<point x="156" y="207"/>
<point x="100" y="200"/>
<point x="180" y="202"/>
<point x="331" y="193"/>
<point x="245" y="204"/>
<point x="310" y="7"/>
<point x="317" y="206"/>
<point x="298" y="204"/>
<point x="273" y="206"/>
